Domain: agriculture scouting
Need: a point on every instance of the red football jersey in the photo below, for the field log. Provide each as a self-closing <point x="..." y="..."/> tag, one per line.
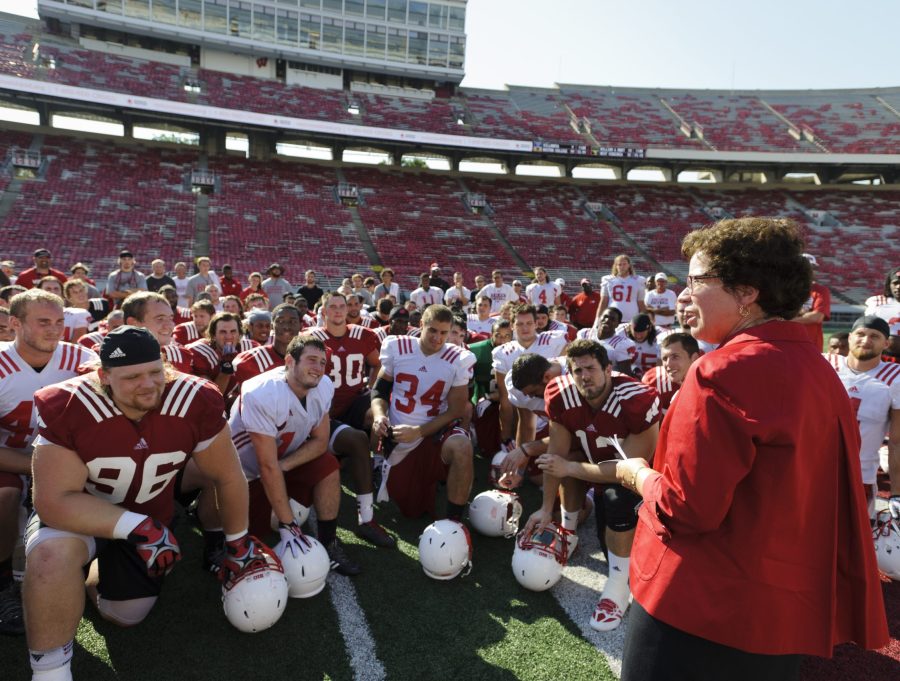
<point x="185" y="334"/>
<point x="631" y="407"/>
<point x="657" y="378"/>
<point x="178" y="356"/>
<point x="253" y="362"/>
<point x="347" y="366"/>
<point x="131" y="464"/>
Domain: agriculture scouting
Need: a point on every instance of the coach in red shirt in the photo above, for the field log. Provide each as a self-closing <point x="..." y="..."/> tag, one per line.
<point x="753" y="544"/>
<point x="583" y="307"/>
<point x="41" y="269"/>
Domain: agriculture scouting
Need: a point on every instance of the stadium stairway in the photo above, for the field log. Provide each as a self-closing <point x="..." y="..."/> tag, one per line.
<point x="364" y="237"/>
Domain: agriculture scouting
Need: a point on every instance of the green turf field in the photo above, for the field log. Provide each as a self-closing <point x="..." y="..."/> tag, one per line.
<point x="391" y="622"/>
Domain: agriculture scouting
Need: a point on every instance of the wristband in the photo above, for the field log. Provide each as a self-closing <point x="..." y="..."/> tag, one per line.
<point x="126" y="523"/>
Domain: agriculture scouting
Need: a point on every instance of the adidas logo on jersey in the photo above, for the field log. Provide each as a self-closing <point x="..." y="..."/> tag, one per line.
<point x="142" y="444"/>
<point x="341" y="349"/>
<point x="853" y="389"/>
<point x="423" y="369"/>
<point x="591" y="429"/>
<point x="116" y="354"/>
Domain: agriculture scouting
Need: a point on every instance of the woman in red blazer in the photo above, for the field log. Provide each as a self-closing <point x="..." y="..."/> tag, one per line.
<point x="753" y="544"/>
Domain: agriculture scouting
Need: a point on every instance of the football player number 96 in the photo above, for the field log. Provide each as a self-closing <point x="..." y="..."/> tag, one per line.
<point x="111" y="477"/>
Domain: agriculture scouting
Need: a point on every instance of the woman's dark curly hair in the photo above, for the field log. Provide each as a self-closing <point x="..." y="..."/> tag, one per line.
<point x="764" y="253"/>
<point x="887" y="282"/>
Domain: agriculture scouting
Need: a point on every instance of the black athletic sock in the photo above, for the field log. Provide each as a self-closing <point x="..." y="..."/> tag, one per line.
<point x="5" y="572"/>
<point x="213" y="540"/>
<point x="327" y="531"/>
<point x="455" y="511"/>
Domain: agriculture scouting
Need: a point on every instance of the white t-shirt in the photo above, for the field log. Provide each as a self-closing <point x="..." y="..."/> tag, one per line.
<point x="624" y="293"/>
<point x="873" y="394"/>
<point x="666" y="299"/>
<point x="268" y="406"/>
<point x="181" y="287"/>
<point x="498" y="295"/>
<point x="453" y="294"/>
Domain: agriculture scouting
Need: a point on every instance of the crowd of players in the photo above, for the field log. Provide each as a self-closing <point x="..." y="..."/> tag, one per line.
<point x="113" y="397"/>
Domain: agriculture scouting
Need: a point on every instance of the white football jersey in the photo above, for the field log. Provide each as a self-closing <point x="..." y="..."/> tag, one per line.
<point x="873" y="394"/>
<point x="666" y="299"/>
<point x="19" y="382"/>
<point x="542" y="294"/>
<point x="423" y="298"/>
<point x="498" y="295"/>
<point x="618" y="348"/>
<point x="75" y="318"/>
<point x="886" y="308"/>
<point x="268" y="406"/>
<point x="548" y="344"/>
<point x="476" y="325"/>
<point x="422" y="382"/>
<point x="533" y="404"/>
<point x="624" y="293"/>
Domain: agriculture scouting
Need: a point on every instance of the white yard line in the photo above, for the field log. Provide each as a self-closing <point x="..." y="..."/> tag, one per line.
<point x="355" y="630"/>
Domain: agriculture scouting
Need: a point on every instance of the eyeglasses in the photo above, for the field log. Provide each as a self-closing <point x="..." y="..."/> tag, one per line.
<point x="692" y="279"/>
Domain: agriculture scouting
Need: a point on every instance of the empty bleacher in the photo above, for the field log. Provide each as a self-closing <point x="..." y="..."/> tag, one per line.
<point x="97" y="198"/>
<point x="285" y="212"/>
<point x="415" y="219"/>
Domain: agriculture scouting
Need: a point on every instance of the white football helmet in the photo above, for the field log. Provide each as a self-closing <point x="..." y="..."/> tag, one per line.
<point x="255" y="600"/>
<point x="298" y="510"/>
<point x="306" y="565"/>
<point x="496" y="463"/>
<point x="887" y="544"/>
<point x="445" y="549"/>
<point x="538" y="560"/>
<point x="496" y="513"/>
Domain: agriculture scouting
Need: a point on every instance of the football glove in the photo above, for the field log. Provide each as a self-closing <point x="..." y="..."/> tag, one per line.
<point x="293" y="539"/>
<point x="241" y="554"/>
<point x="156" y="545"/>
<point x="894" y="506"/>
<point x="226" y="367"/>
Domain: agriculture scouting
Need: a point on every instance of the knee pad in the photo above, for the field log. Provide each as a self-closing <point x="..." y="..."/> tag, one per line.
<point x="619" y="506"/>
<point x="126" y="613"/>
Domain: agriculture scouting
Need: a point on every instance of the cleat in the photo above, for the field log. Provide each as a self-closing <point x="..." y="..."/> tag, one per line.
<point x="375" y="534"/>
<point x="12" y="622"/>
<point x="607" y="615"/>
<point x="340" y="563"/>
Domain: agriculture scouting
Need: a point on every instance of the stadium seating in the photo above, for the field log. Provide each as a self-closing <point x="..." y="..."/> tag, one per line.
<point x="415" y="219"/>
<point x="97" y="198"/>
<point x="283" y="212"/>
<point x="548" y="225"/>
<point x="738" y="122"/>
<point x="841" y="121"/>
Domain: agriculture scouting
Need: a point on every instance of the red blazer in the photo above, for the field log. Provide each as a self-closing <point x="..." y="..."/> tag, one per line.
<point x="756" y="534"/>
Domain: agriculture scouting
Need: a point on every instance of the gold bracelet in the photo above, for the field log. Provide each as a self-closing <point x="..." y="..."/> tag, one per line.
<point x="633" y="483"/>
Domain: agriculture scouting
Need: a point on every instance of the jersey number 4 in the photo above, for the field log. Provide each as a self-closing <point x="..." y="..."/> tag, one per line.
<point x="406" y="402"/>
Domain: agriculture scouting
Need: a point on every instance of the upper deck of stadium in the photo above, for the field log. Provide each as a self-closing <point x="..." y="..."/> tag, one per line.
<point x="583" y="120"/>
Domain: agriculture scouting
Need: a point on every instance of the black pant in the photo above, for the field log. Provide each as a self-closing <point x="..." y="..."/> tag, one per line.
<point x="655" y="651"/>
